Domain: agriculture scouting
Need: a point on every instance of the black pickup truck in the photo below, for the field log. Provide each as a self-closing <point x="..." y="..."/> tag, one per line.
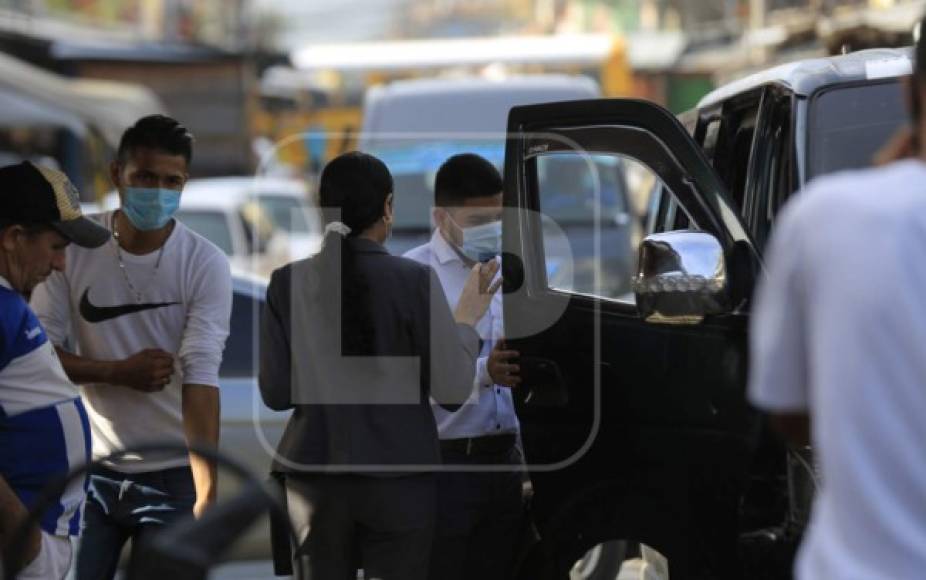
<point x="635" y="423"/>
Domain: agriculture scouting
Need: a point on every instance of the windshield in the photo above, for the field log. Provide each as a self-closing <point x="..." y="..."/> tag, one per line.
<point x="211" y="225"/>
<point x="287" y="213"/>
<point x="849" y="124"/>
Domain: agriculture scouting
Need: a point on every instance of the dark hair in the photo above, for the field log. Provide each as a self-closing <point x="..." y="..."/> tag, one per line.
<point x="465" y="176"/>
<point x="353" y="189"/>
<point x="158" y="132"/>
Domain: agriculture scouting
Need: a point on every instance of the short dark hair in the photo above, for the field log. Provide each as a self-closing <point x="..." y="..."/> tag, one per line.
<point x="465" y="176"/>
<point x="158" y="132"/>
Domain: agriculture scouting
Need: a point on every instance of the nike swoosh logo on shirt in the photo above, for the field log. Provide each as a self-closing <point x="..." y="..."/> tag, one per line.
<point x="94" y="314"/>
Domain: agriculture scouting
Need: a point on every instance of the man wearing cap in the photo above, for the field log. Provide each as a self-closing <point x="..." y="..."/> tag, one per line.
<point x="44" y="431"/>
<point x="140" y="324"/>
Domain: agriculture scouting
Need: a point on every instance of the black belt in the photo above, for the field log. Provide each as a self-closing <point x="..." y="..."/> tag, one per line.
<point x="485" y="445"/>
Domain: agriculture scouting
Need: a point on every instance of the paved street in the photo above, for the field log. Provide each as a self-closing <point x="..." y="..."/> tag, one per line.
<point x="260" y="570"/>
<point x="254" y="570"/>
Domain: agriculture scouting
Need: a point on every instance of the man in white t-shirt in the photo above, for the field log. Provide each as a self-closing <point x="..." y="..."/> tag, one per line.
<point x="144" y="320"/>
<point x="838" y="334"/>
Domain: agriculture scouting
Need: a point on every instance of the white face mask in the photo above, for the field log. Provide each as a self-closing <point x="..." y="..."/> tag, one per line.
<point x="483" y="242"/>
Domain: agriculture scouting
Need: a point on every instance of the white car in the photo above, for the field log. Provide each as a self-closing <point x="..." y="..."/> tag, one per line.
<point x="232" y="212"/>
<point x="250" y="431"/>
<point x="259" y="222"/>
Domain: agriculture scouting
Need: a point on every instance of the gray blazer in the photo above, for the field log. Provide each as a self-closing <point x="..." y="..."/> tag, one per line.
<point x="363" y="415"/>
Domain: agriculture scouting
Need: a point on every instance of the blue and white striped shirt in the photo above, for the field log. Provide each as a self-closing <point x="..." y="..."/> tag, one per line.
<point x="44" y="430"/>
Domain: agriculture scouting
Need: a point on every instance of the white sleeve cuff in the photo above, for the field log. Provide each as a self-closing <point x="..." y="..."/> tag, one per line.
<point x="201" y="368"/>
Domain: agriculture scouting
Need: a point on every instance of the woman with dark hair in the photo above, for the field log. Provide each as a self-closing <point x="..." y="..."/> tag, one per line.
<point x="356" y="341"/>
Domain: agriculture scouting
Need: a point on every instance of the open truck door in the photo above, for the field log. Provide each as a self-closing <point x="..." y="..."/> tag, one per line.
<point x="634" y="420"/>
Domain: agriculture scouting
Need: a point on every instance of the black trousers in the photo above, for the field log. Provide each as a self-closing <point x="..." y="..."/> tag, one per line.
<point x="383" y="525"/>
<point x="479" y="516"/>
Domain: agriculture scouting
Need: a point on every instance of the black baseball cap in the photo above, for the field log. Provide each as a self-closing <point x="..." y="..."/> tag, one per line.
<point x="34" y="195"/>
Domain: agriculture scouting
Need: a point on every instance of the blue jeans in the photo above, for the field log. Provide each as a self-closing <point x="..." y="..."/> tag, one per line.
<point x="129" y="505"/>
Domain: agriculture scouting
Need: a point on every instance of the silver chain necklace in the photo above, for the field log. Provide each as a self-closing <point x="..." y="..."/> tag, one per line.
<point x="125" y="274"/>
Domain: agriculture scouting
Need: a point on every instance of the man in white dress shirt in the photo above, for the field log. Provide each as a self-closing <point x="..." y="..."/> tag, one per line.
<point x="479" y="513"/>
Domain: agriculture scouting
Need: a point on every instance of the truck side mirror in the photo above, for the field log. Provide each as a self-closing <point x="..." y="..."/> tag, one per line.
<point x="681" y="278"/>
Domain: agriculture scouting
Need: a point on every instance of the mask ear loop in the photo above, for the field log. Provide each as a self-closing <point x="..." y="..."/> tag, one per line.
<point x="456" y="225"/>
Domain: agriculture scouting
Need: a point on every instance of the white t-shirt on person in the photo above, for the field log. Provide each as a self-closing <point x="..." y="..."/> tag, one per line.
<point x="839" y="329"/>
<point x="184" y="309"/>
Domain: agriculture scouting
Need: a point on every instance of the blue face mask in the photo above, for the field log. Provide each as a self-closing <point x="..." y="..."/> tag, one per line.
<point x="150" y="208"/>
<point x="483" y="242"/>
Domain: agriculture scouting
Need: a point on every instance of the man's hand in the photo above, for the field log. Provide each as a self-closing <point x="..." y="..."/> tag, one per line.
<point x="502" y="371"/>
<point x="148" y="371"/>
<point x="477" y="293"/>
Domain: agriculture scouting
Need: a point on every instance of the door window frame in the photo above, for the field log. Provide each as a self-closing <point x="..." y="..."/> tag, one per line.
<point x="704" y="194"/>
<point x="597" y="136"/>
<point x="769" y="184"/>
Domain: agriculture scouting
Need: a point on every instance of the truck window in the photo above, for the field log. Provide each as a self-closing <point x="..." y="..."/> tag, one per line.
<point x="734" y="144"/>
<point x="711" y="134"/>
<point x="770" y="180"/>
<point x="848" y="124"/>
<point x="597" y="208"/>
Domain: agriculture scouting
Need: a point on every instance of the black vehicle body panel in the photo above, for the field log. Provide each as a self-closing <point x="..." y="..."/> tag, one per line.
<point x="655" y="411"/>
<point x="647" y="435"/>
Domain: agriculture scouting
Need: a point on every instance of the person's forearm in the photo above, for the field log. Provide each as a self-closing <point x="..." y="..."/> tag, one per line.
<point x="83" y="370"/>
<point x="12" y="514"/>
<point x="201" y="425"/>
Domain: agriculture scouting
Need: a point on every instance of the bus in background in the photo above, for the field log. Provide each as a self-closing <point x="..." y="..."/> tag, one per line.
<point x="312" y="111"/>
